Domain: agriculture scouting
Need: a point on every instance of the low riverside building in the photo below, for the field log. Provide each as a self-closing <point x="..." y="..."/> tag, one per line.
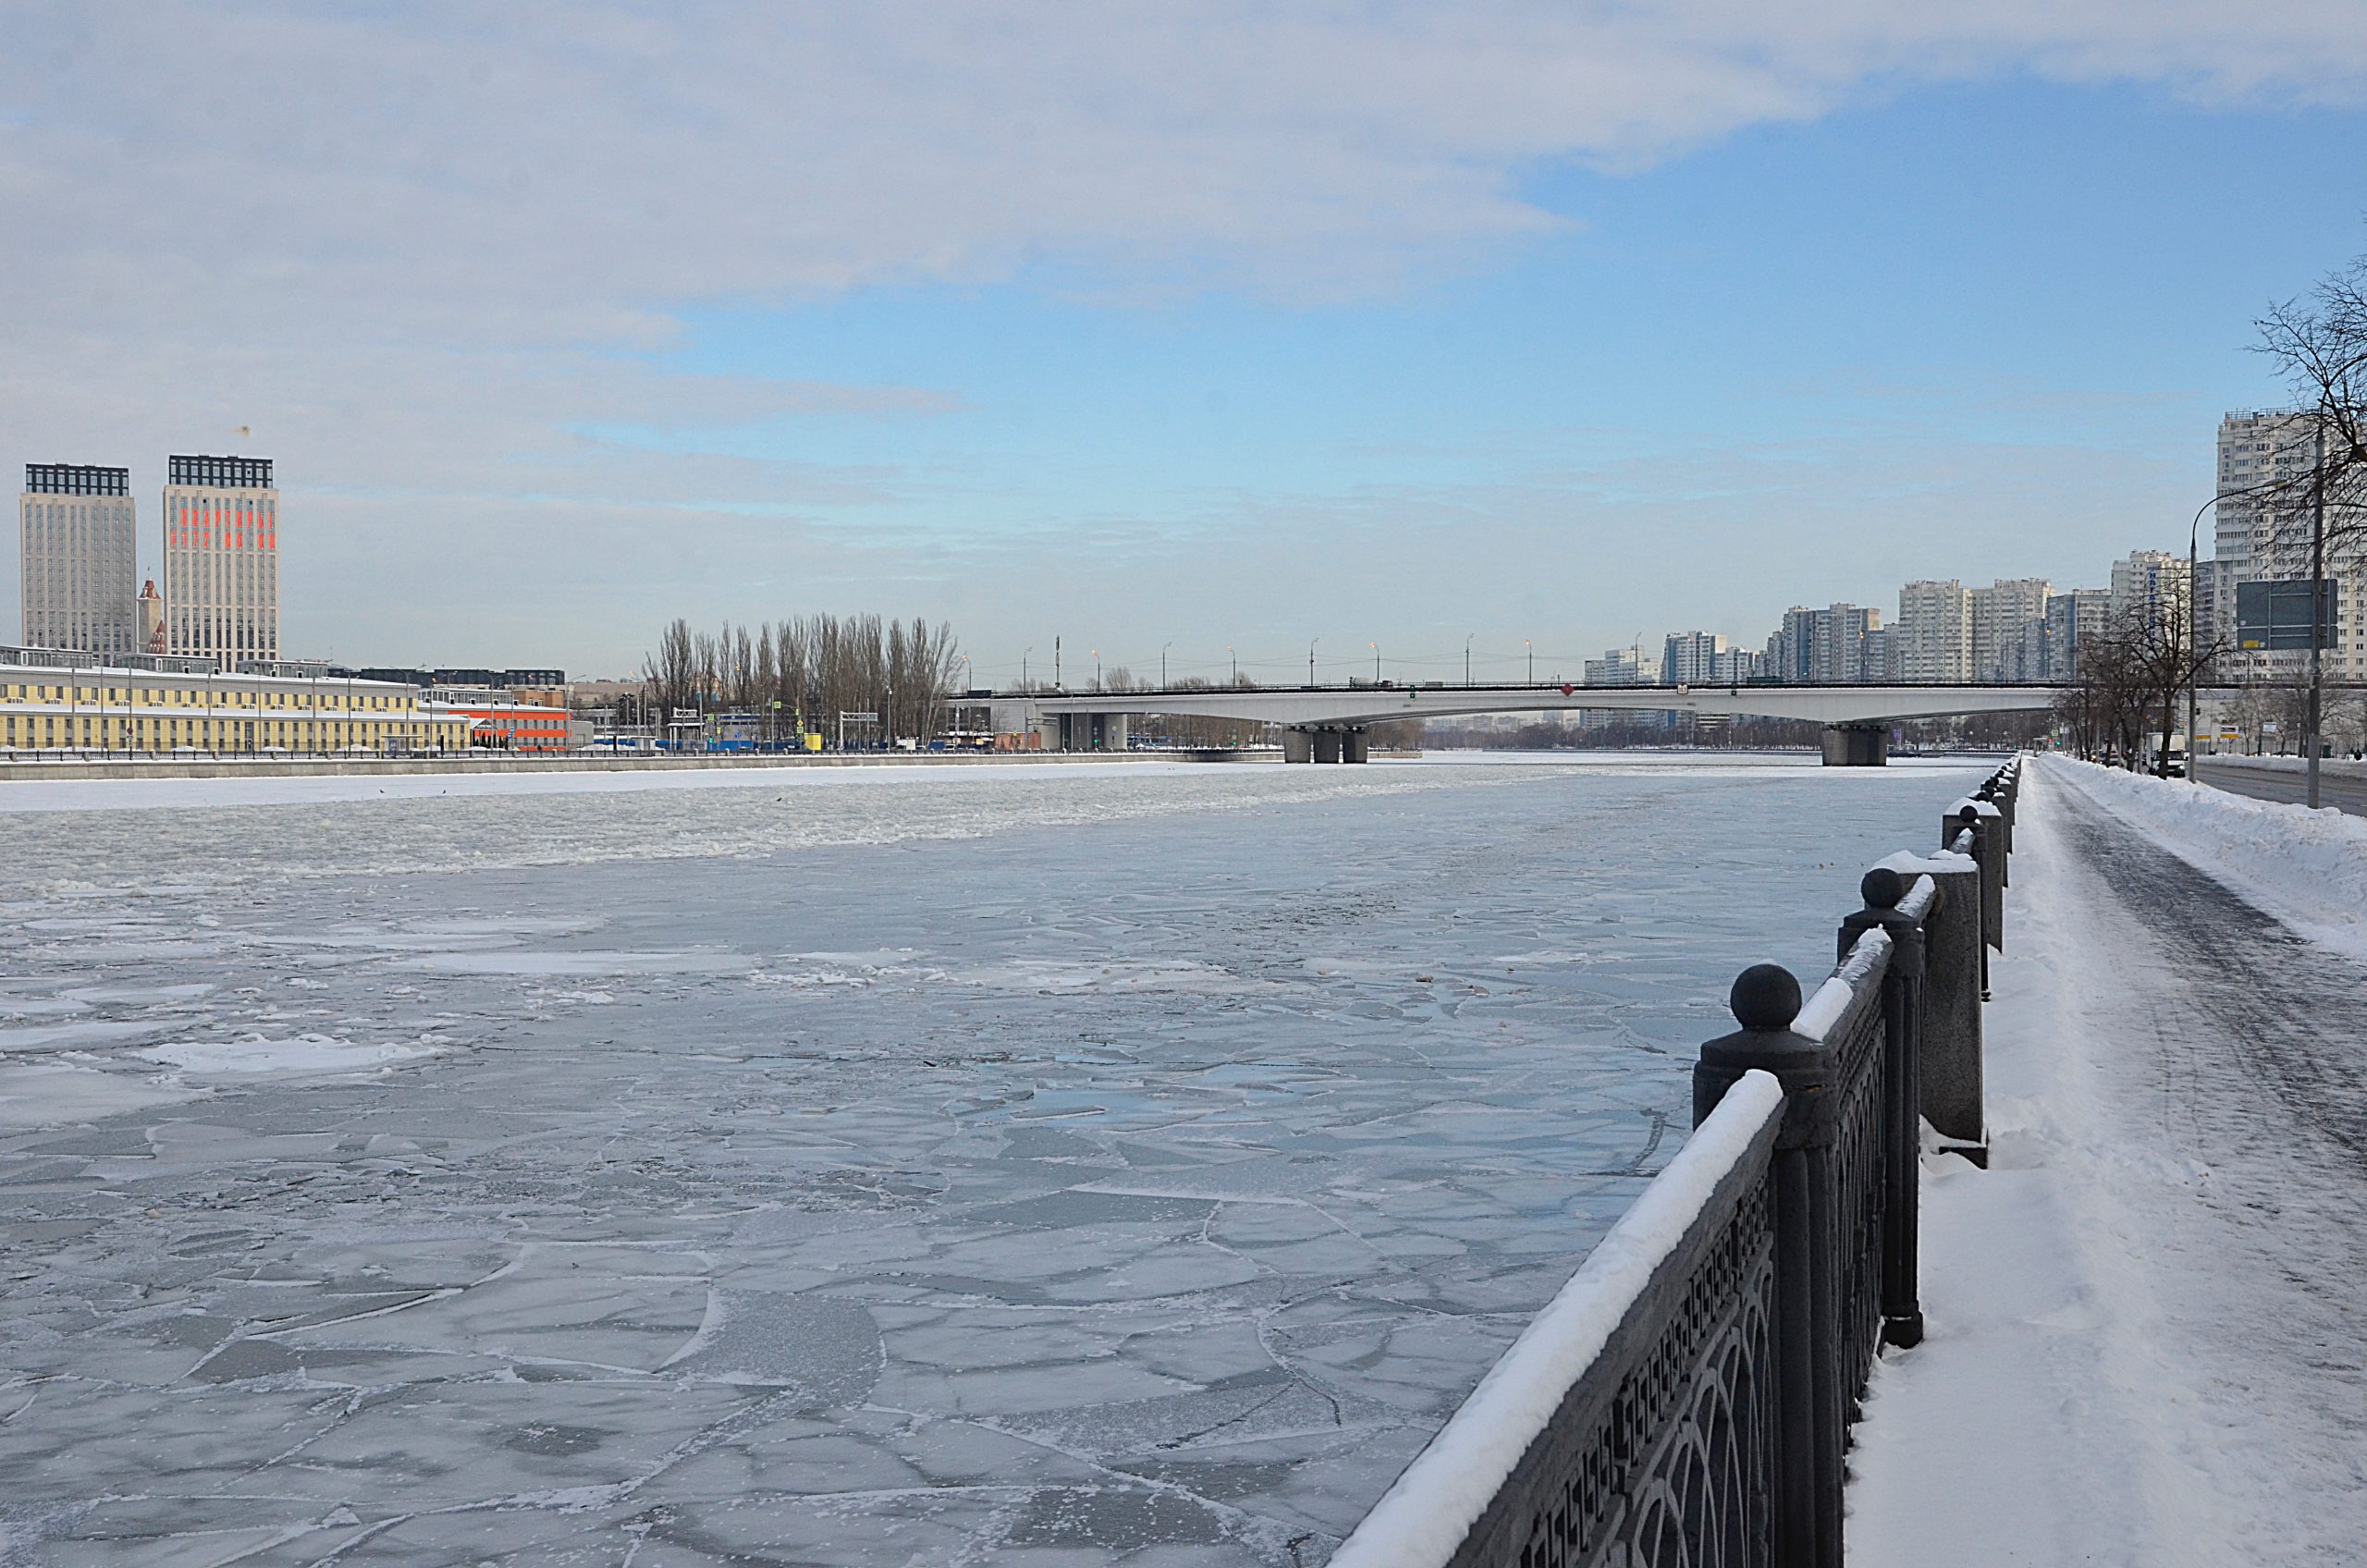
<point x="499" y="721"/>
<point x="63" y="700"/>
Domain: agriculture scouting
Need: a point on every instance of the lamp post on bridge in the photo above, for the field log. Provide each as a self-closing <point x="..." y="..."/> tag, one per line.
<point x="1466" y="662"/>
<point x="1162" y="663"/>
<point x="1376" y="662"/>
<point x="1531" y="645"/>
<point x="1310" y="659"/>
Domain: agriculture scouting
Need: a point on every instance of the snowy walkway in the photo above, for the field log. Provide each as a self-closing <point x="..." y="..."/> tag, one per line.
<point x="2147" y="1320"/>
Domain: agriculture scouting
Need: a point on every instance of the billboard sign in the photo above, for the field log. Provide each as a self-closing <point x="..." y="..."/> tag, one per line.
<point x="2275" y="617"/>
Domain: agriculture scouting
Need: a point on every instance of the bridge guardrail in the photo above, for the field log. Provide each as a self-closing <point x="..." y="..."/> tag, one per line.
<point x="1688" y="1396"/>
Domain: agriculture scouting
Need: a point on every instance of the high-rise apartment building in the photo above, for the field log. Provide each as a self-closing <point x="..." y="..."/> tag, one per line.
<point x="1737" y="666"/>
<point x="2151" y="592"/>
<point x="2261" y="516"/>
<point x="2071" y="616"/>
<point x="80" y="549"/>
<point x="1846" y="648"/>
<point x="1934" y="633"/>
<point x="2264" y="534"/>
<point x="222" y="560"/>
<point x="1834" y="646"/>
<point x="2009" y="630"/>
<point x="1692" y="658"/>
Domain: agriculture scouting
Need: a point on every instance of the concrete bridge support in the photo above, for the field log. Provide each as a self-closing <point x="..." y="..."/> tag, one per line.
<point x="1092" y="732"/>
<point x="1345" y="744"/>
<point x="1856" y="745"/>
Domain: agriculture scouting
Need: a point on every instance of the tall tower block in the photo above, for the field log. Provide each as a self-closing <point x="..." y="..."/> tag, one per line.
<point x="222" y="560"/>
<point x="81" y="545"/>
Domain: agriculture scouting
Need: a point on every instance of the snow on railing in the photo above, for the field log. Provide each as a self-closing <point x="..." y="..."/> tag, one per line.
<point x="1684" y="1399"/>
<point x="1423" y="1519"/>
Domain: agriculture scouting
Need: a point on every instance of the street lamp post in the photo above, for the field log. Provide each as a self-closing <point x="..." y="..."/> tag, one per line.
<point x="1466" y="660"/>
<point x="1236" y="663"/>
<point x="1531" y="647"/>
<point x="1310" y="659"/>
<point x="1376" y="662"/>
<point x="1162" y="663"/>
<point x="2317" y="601"/>
<point x="2193" y="642"/>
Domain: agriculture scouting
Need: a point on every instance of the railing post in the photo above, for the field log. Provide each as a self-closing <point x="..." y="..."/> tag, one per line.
<point x="1809" y="1423"/>
<point x="1954" y="967"/>
<point x="1903" y="1099"/>
<point x="1988" y="853"/>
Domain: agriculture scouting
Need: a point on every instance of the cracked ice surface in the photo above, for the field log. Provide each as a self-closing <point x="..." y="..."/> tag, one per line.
<point x="1017" y="1166"/>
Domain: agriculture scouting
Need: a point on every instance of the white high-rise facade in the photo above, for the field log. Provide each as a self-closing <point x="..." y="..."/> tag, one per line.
<point x="2009" y="630"/>
<point x="80" y="547"/>
<point x="2151" y="592"/>
<point x="2073" y="617"/>
<point x="2263" y="534"/>
<point x="1934" y="633"/>
<point x="1694" y="658"/>
<point x="222" y="560"/>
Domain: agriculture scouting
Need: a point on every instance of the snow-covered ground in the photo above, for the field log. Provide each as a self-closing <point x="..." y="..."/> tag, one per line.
<point x="2146" y="1332"/>
<point x="1018" y="1164"/>
<point x="2345" y="766"/>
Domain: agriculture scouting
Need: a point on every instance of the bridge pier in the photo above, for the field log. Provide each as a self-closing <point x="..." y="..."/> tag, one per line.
<point x="1092" y="732"/>
<point x="1856" y="745"/>
<point x="1349" y="743"/>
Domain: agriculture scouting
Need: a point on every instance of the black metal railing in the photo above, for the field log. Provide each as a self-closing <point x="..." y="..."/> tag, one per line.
<point x="1687" y="1397"/>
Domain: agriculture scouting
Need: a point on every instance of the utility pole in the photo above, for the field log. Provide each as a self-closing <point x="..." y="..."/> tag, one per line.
<point x="1162" y="665"/>
<point x="1310" y="660"/>
<point x="1236" y="663"/>
<point x="1531" y="646"/>
<point x="1466" y="660"/>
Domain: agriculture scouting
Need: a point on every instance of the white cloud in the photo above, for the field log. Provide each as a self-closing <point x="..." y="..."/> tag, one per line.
<point x="406" y="242"/>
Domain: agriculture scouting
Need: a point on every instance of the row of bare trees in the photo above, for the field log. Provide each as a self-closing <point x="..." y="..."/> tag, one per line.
<point x="799" y="675"/>
<point x="2132" y="677"/>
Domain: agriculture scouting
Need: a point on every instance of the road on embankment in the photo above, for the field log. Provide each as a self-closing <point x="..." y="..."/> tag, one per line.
<point x="2341" y="790"/>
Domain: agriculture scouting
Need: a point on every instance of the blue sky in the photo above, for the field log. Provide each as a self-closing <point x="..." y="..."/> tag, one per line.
<point x="1271" y="356"/>
<point x="1985" y="268"/>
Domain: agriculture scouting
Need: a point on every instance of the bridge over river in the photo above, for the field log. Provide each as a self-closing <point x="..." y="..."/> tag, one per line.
<point x="1331" y="723"/>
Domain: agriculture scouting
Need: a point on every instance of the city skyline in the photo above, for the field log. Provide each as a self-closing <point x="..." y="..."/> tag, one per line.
<point x="1359" y="353"/>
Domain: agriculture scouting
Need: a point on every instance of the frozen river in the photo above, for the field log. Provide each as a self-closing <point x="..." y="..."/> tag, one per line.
<point x="1058" y="1164"/>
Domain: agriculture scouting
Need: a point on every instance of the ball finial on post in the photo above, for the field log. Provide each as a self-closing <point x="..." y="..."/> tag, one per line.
<point x="1765" y="995"/>
<point x="1882" y="887"/>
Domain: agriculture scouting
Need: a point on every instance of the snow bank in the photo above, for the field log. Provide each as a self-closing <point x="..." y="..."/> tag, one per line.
<point x="1424" y="1516"/>
<point x="2342" y="766"/>
<point x="2307" y="867"/>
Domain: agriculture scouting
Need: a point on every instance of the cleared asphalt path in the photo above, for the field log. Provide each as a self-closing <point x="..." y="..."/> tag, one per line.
<point x="2341" y="790"/>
